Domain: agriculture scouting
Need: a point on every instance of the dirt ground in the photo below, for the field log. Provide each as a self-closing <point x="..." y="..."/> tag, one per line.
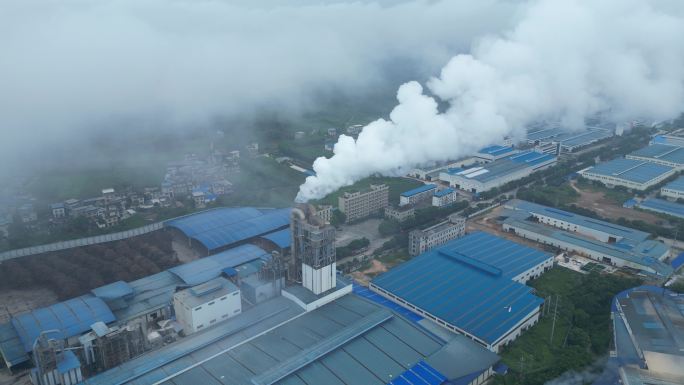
<point x="365" y="276"/>
<point x="16" y="379"/>
<point x="18" y="301"/>
<point x="607" y="208"/>
<point x="184" y="252"/>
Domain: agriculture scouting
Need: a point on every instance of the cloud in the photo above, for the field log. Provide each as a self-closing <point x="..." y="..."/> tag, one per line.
<point x="564" y="60"/>
<point x="73" y="68"/>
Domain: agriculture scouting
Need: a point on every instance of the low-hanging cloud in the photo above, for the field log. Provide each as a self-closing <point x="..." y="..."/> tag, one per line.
<point x="565" y="60"/>
<point x="73" y="68"/>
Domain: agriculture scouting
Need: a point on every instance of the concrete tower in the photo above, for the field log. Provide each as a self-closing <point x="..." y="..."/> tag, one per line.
<point x="312" y="260"/>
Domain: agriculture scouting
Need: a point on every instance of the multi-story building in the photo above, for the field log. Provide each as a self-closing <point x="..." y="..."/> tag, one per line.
<point x="205" y="305"/>
<point x="400" y="213"/>
<point x="444" y="197"/>
<point x="358" y="205"/>
<point x="417" y="195"/>
<point x="324" y="212"/>
<point x="421" y="241"/>
<point x="58" y="210"/>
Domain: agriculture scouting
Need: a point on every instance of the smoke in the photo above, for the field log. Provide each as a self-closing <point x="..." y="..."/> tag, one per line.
<point x="71" y="69"/>
<point x="563" y="60"/>
<point x="599" y="369"/>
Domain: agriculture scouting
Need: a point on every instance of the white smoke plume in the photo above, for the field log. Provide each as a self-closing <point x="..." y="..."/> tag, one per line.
<point x="564" y="60"/>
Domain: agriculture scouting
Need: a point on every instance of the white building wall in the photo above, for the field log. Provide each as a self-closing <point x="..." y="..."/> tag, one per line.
<point x="612" y="181"/>
<point x="319" y="280"/>
<point x="208" y="313"/>
<point x="673" y="194"/>
<point x="663" y="162"/>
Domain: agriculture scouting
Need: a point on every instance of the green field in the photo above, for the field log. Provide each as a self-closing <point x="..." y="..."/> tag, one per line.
<point x="582" y="330"/>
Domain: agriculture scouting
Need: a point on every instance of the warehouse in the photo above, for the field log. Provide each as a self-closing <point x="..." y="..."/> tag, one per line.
<point x="219" y="229"/>
<point x="646" y="256"/>
<point x="348" y="341"/>
<point x="674" y="190"/>
<point x="417" y="195"/>
<point x="474" y="285"/>
<point x="648" y="338"/>
<point x="662" y="206"/>
<point x="568" y="141"/>
<point x="663" y="154"/>
<point x="603" y="231"/>
<point x="484" y="178"/>
<point x="630" y="173"/>
<point x="495" y="152"/>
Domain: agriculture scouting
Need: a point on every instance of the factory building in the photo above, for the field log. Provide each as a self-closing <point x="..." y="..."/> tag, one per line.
<point x="417" y="195"/>
<point x="663" y="154"/>
<point x="495" y="152"/>
<point x="674" y="190"/>
<point x="400" y="213"/>
<point x="206" y="304"/>
<point x="444" y="197"/>
<point x="431" y="172"/>
<point x="662" y="206"/>
<point x="421" y="241"/>
<point x="648" y="337"/>
<point x="361" y="204"/>
<point x="672" y="139"/>
<point x="630" y="173"/>
<point x="459" y="287"/>
<point x="312" y="258"/>
<point x="603" y="241"/>
<point x="498" y="173"/>
<point x="565" y="140"/>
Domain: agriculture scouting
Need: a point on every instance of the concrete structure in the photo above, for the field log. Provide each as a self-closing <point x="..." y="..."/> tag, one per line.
<point x="648" y="335"/>
<point x="674" y="190"/>
<point x="444" y="197"/>
<point x="607" y="242"/>
<point x="484" y="178"/>
<point x="204" y="305"/>
<point x="312" y="259"/>
<point x="360" y="204"/>
<point x="630" y="173"/>
<point x="401" y="213"/>
<point x="417" y="195"/>
<point x="58" y="210"/>
<point x="663" y="154"/>
<point x="324" y="212"/>
<point x="421" y="241"/>
<point x="460" y="287"/>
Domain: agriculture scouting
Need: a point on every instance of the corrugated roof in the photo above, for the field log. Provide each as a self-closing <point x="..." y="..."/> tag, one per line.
<point x="418" y="190"/>
<point x="674" y="154"/>
<point x="282" y="238"/>
<point x="70" y="318"/>
<point x="505" y="166"/>
<point x="444" y="192"/>
<point x="11" y="348"/>
<point x="632" y="170"/>
<point x="677" y="184"/>
<point x="662" y="206"/>
<point x="113" y="290"/>
<point x="204" y="269"/>
<point x="222" y="227"/>
<point x="468" y="283"/>
<point x="496" y="150"/>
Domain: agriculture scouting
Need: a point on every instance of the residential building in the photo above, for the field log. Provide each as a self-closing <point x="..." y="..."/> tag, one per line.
<point x="444" y="197"/>
<point x="361" y="204"/>
<point x="400" y="213"/>
<point x="417" y="195"/>
<point x="421" y="241"/>
<point x="58" y="210"/>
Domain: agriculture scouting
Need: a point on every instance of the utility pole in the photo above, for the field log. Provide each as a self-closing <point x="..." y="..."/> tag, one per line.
<point x="553" y="325"/>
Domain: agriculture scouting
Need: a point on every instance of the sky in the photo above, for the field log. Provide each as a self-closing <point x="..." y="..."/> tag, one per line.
<point x="72" y="69"/>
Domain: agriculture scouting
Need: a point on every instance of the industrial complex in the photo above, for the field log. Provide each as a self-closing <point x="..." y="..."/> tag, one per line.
<point x="497" y="173"/>
<point x="664" y="154"/>
<point x="473" y="285"/>
<point x="606" y="242"/>
<point x="648" y="337"/>
<point x="630" y="173"/>
<point x="564" y="141"/>
<point x="674" y="190"/>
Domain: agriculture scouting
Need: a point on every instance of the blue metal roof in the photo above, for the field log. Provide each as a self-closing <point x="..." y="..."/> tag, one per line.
<point x="113" y="290"/>
<point x="579" y="220"/>
<point x="677" y="261"/>
<point x="71" y="318"/>
<point x="11" y="348"/>
<point x="418" y="190"/>
<point x="662" y="206"/>
<point x="669" y="153"/>
<point x="282" y="238"/>
<point x="468" y="283"/>
<point x="364" y="292"/>
<point x="444" y="192"/>
<point x="420" y="373"/>
<point x="222" y="227"/>
<point x="68" y="362"/>
<point x="207" y="268"/>
<point x="496" y="150"/>
<point x="633" y="170"/>
<point x="677" y="184"/>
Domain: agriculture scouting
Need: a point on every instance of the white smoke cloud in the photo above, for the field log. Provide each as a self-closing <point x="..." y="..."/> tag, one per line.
<point x="71" y="68"/>
<point x="564" y="60"/>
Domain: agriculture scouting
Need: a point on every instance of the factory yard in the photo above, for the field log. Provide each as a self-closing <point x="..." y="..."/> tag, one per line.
<point x="609" y="208"/>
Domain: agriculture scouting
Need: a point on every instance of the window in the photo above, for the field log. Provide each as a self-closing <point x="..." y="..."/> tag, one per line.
<point x="211" y="303"/>
<point x="224" y="298"/>
<point x="198" y="308"/>
<point x="200" y="326"/>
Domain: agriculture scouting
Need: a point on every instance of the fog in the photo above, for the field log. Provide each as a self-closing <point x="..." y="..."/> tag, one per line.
<point x="73" y="69"/>
<point x="563" y="60"/>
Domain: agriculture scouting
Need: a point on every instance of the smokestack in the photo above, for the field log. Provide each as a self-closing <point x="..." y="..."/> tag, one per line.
<point x="564" y="60"/>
